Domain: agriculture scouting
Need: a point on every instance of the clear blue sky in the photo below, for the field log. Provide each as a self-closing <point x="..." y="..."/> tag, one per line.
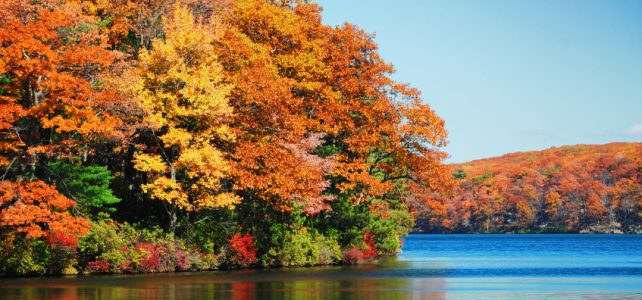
<point x="514" y="75"/>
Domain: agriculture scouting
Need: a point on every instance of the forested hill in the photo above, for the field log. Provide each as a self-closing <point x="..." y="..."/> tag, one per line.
<point x="582" y="188"/>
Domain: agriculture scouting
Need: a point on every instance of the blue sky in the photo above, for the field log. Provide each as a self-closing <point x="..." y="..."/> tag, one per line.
<point x="514" y="75"/>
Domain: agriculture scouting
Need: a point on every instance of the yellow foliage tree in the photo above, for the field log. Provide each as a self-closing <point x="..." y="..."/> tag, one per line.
<point x="178" y="85"/>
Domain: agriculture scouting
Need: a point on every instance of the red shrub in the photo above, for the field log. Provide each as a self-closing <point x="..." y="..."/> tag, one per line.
<point x="370" y="251"/>
<point x="98" y="266"/>
<point x="352" y="256"/>
<point x="182" y="260"/>
<point x="124" y="267"/>
<point x="165" y="253"/>
<point x="242" y="249"/>
<point x="150" y="261"/>
<point x="358" y="254"/>
<point x="63" y="241"/>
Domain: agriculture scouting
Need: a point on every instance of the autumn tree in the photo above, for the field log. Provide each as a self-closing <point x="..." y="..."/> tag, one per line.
<point x="51" y="108"/>
<point x="49" y="105"/>
<point x="180" y="88"/>
<point x="340" y="86"/>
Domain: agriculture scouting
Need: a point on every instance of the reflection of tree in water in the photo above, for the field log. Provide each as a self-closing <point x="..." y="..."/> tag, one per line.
<point x="360" y="282"/>
<point x="243" y="290"/>
<point x="354" y="288"/>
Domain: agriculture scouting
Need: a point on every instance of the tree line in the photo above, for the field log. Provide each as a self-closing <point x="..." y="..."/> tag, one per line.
<point x="583" y="188"/>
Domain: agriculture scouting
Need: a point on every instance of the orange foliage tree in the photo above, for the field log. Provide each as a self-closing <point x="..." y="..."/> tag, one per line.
<point x="296" y="79"/>
<point x="48" y="68"/>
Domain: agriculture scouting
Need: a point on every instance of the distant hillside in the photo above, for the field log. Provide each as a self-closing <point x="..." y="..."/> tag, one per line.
<point x="582" y="188"/>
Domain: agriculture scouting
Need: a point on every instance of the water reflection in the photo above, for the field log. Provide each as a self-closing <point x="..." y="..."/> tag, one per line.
<point x="321" y="283"/>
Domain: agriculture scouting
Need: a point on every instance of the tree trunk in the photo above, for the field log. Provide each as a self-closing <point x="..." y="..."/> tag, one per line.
<point x="173" y="209"/>
<point x="172" y="218"/>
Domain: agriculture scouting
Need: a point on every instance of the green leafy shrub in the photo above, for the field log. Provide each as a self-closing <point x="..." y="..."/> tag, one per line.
<point x="211" y="231"/>
<point x="25" y="258"/>
<point x="389" y="229"/>
<point x="53" y="254"/>
<point x="297" y="249"/>
<point x="329" y="250"/>
<point x="302" y="247"/>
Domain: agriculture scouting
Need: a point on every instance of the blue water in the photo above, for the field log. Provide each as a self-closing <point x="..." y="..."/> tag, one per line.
<point x="564" y="266"/>
<point x="499" y="255"/>
<point x="430" y="267"/>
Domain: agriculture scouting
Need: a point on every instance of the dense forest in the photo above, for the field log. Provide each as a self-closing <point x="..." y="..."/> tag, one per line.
<point x="583" y="188"/>
<point x="153" y="136"/>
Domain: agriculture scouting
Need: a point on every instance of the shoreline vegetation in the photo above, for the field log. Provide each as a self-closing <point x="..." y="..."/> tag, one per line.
<point x="197" y="134"/>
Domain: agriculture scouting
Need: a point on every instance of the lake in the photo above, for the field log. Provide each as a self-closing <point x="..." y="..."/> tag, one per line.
<point x="430" y="267"/>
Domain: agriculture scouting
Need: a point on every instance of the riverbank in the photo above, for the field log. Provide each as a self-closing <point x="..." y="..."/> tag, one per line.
<point x="424" y="226"/>
<point x="615" y="228"/>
